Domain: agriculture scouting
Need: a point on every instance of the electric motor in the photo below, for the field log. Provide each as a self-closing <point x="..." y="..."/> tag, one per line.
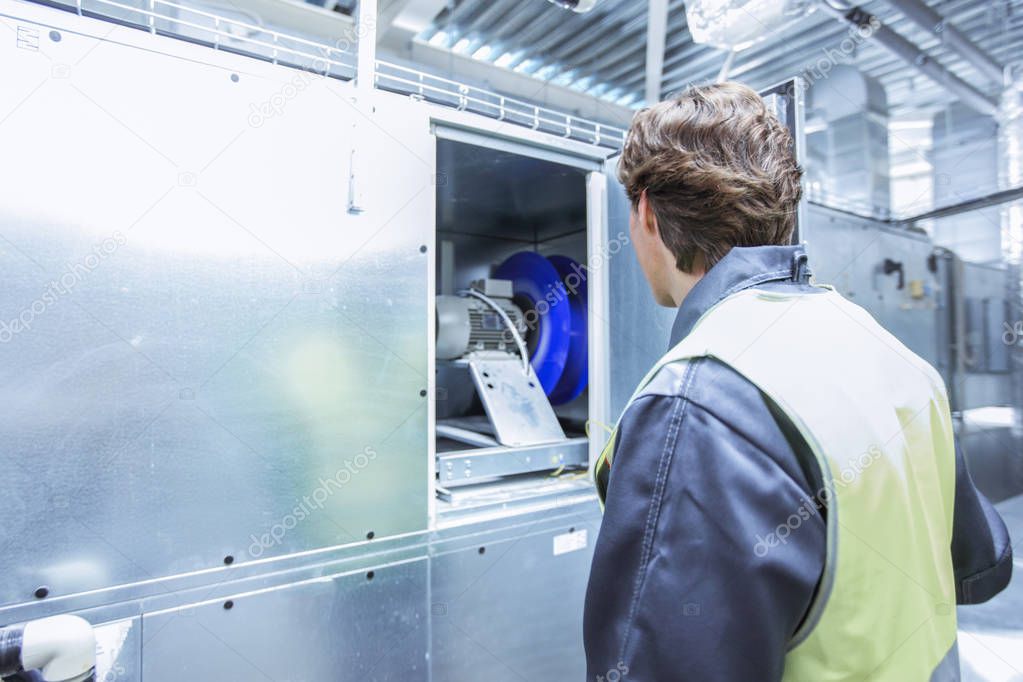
<point x="467" y="324"/>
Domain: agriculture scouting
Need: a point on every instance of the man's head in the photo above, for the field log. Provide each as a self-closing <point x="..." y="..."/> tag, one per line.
<point x="707" y="170"/>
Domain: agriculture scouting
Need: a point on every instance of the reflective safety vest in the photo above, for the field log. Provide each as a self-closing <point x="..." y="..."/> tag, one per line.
<point x="877" y="419"/>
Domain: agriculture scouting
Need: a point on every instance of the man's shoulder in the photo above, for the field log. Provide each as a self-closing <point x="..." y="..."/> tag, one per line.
<point x="706" y="382"/>
<point x="720" y="404"/>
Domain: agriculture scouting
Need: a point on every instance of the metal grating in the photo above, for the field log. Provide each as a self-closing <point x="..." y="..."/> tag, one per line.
<point x="220" y="32"/>
<point x="402" y="79"/>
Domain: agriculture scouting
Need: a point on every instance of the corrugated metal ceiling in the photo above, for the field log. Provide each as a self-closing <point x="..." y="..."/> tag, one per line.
<point x="603" y="52"/>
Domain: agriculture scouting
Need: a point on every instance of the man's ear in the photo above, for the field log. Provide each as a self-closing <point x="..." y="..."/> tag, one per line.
<point x="647" y="218"/>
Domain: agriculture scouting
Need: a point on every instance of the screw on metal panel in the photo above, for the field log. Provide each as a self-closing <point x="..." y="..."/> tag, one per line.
<point x="422" y="249"/>
<point x="228" y="605"/>
<point x="422" y="393"/>
<point x="369" y="575"/>
<point x="42" y="591"/>
<point x="482" y="550"/>
<point x="234" y="77"/>
<point x="370" y="535"/>
<point x="572" y="529"/>
<point x="55" y="36"/>
<point x="228" y="560"/>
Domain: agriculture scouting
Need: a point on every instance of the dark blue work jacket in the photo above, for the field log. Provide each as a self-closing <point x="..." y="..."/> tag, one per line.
<point x="678" y="589"/>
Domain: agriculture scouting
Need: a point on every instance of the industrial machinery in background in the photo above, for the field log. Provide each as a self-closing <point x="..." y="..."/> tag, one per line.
<point x="265" y="384"/>
<point x="427" y="380"/>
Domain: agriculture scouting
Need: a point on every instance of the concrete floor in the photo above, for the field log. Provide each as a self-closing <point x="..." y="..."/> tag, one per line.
<point x="991" y="634"/>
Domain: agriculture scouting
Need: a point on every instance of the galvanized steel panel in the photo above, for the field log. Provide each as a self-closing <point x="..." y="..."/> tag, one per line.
<point x="206" y="354"/>
<point x="509" y="608"/>
<point x="849" y="253"/>
<point x="362" y="626"/>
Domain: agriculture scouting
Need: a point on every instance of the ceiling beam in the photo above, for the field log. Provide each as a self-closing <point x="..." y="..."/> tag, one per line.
<point x="656" y="37"/>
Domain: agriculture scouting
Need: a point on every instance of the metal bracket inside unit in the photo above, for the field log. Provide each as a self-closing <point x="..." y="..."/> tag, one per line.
<point x="469" y="467"/>
<point x="514" y="401"/>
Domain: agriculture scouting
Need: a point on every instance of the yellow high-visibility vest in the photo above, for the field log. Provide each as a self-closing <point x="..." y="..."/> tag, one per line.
<point x="877" y="419"/>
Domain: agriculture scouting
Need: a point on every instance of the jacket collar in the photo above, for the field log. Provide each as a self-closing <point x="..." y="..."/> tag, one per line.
<point x="741" y="268"/>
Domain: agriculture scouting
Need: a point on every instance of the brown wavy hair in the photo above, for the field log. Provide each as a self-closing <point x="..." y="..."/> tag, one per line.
<point x="719" y="171"/>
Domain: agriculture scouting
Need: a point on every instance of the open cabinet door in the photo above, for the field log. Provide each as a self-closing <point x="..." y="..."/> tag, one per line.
<point x="635" y="329"/>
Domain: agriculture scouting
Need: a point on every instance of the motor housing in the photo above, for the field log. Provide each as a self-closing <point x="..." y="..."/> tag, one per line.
<point x="468" y="324"/>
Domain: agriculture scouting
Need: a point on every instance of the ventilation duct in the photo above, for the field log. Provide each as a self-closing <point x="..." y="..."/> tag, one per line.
<point x="847" y="142"/>
<point x="737" y="24"/>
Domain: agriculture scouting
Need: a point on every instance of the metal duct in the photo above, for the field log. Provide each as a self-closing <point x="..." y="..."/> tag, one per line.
<point x="910" y="53"/>
<point x="929" y="20"/>
<point x="964" y="158"/>
<point x="847" y="141"/>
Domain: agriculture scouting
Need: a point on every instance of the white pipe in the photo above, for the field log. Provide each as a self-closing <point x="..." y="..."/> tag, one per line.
<point x="656" y="39"/>
<point x="61" y="648"/>
<point x="726" y="68"/>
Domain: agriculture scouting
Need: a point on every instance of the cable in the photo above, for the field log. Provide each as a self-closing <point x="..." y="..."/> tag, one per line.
<point x="507" y="321"/>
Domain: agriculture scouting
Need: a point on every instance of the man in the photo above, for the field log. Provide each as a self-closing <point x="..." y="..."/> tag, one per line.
<point x="783" y="495"/>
